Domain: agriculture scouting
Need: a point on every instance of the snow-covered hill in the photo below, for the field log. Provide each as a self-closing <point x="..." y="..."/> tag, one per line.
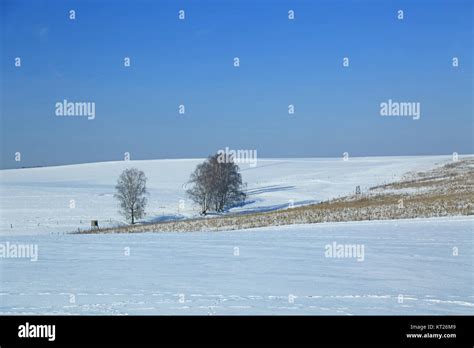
<point x="65" y="198"/>
<point x="408" y="267"/>
<point x="417" y="266"/>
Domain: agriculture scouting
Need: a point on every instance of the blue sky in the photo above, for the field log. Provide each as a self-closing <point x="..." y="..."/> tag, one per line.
<point x="190" y="62"/>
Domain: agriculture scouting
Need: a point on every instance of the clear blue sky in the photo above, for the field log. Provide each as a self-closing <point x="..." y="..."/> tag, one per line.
<point x="191" y="62"/>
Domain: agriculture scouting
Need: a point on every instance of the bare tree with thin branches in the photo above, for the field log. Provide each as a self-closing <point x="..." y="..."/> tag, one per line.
<point x="217" y="185"/>
<point x="131" y="194"/>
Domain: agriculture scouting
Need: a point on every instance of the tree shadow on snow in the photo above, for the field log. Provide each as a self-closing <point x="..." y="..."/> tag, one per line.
<point x="271" y="188"/>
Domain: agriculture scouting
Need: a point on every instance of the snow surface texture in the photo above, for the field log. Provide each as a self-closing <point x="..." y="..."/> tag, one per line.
<point x="409" y="266"/>
<point x="38" y="200"/>
<point x="274" y="270"/>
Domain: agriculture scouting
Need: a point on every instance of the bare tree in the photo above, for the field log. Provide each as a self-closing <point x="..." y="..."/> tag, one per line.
<point x="131" y="193"/>
<point x="217" y="185"/>
<point x="200" y="192"/>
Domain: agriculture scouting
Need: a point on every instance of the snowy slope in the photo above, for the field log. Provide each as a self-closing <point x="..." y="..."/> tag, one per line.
<point x="37" y="200"/>
<point x="278" y="270"/>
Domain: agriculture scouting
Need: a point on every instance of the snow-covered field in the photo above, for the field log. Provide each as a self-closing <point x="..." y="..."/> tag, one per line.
<point x="409" y="267"/>
<point x="65" y="198"/>
<point x="420" y="266"/>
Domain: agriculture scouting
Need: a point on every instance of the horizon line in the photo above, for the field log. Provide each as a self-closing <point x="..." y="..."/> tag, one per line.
<point x="203" y="158"/>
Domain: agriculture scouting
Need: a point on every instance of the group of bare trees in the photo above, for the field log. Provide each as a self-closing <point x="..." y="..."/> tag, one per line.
<point x="216" y="186"/>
